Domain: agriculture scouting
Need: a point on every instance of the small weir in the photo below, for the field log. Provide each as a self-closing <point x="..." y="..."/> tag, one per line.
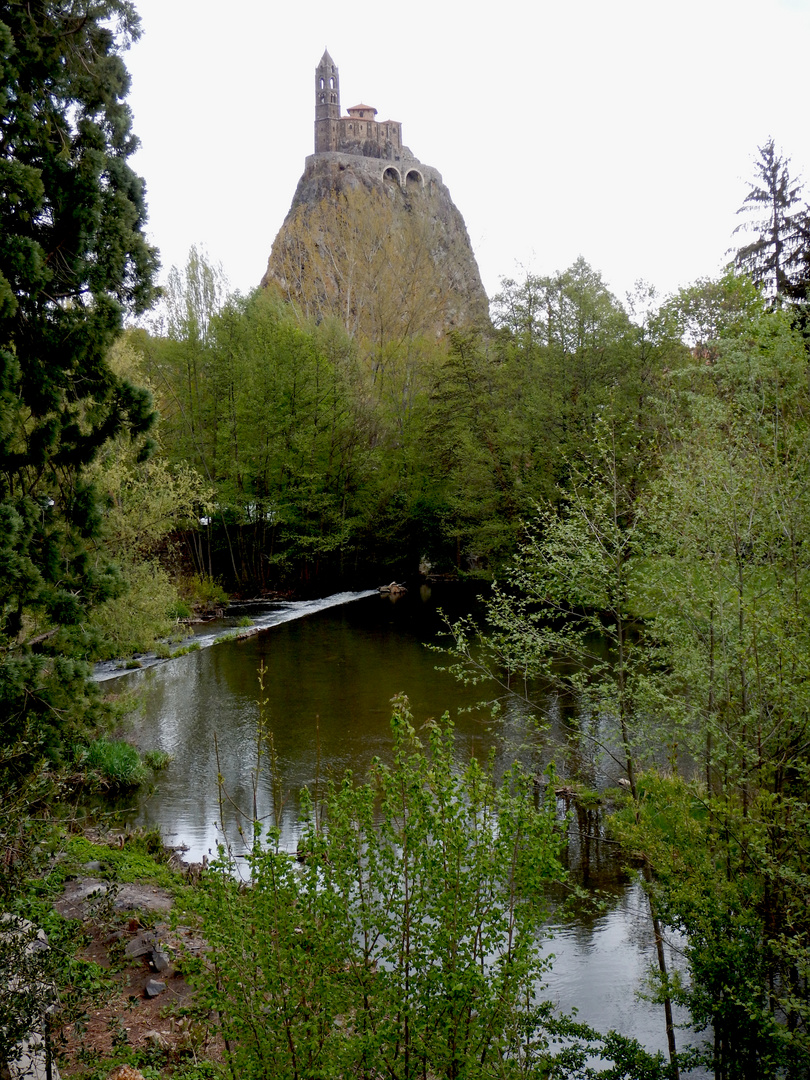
<point x="263" y="615"/>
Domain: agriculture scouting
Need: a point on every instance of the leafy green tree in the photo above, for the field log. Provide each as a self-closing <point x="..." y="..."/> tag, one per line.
<point x="278" y="418"/>
<point x="145" y="503"/>
<point x="73" y="259"/>
<point x="194" y="297"/>
<point x="727" y="607"/>
<point x="703" y="313"/>
<point x="688" y="560"/>
<point x="714" y="883"/>
<point x="574" y="581"/>
<point x="574" y="353"/>
<point x="289" y="447"/>
<point x="731" y="505"/>
<point x="478" y="447"/>
<point x="507" y="412"/>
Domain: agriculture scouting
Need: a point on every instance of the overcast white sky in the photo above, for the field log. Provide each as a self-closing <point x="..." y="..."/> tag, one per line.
<point x="620" y="130"/>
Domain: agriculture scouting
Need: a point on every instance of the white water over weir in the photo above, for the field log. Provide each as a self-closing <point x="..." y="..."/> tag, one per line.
<point x="217" y="631"/>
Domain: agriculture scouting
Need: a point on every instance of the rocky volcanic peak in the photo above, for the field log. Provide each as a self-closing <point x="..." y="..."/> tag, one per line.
<point x="349" y="210"/>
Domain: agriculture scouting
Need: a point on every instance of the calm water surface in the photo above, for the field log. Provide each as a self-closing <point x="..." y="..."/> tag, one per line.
<point x="331" y="669"/>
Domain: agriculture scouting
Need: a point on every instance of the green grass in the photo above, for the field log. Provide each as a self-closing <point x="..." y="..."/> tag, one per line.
<point x="185" y="649"/>
<point x="156" y="760"/>
<point x="117" y="763"/>
<point x="135" y="862"/>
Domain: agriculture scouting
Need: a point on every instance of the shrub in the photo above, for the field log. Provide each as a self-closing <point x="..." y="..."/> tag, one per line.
<point x="180" y="610"/>
<point x="147" y="842"/>
<point x="133" y="621"/>
<point x="203" y="593"/>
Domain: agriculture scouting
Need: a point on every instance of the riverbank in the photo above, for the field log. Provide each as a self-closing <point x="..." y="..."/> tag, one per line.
<point x="118" y="908"/>
<point x="117" y="956"/>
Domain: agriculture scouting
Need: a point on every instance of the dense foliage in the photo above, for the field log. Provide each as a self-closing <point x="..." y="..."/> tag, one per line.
<point x="329" y="460"/>
<point x="73" y="259"/>
<point x="686" y="554"/>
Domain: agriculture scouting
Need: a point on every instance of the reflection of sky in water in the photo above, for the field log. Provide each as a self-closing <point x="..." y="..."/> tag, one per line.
<point x="600" y="968"/>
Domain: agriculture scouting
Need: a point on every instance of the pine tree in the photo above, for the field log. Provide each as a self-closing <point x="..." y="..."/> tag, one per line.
<point x="774" y="256"/>
<point x="73" y="261"/>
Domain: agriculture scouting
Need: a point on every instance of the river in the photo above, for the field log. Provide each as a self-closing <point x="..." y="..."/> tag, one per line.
<point x="331" y="668"/>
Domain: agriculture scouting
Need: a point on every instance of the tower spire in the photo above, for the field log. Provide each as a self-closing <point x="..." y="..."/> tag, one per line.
<point x="327" y="104"/>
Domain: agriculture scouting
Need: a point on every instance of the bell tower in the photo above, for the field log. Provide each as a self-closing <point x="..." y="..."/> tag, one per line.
<point x="327" y="104"/>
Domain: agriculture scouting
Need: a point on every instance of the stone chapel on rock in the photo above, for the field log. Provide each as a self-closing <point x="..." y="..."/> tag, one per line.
<point x="360" y="134"/>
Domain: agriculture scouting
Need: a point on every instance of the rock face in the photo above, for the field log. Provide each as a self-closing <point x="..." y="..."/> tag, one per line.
<point x="368" y="217"/>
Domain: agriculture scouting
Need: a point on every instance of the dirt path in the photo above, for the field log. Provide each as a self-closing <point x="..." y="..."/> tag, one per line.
<point x="150" y="1006"/>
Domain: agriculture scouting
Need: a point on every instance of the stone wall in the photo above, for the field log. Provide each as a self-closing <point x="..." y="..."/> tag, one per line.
<point x="374" y="168"/>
